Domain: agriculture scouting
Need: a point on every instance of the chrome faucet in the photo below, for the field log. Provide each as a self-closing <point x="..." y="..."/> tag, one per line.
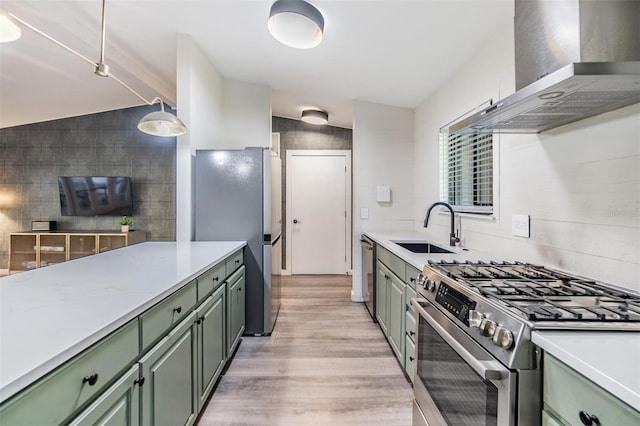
<point x="453" y="239"/>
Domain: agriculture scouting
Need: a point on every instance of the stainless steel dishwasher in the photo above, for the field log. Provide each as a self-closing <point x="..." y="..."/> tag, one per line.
<point x="368" y="274"/>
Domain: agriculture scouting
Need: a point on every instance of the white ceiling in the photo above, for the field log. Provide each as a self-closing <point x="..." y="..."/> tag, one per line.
<point x="391" y="52"/>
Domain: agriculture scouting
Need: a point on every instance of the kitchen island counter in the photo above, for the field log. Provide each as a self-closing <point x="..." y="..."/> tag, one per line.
<point x="49" y="315"/>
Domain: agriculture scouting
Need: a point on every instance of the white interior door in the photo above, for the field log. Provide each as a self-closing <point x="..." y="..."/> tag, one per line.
<point x="318" y="185"/>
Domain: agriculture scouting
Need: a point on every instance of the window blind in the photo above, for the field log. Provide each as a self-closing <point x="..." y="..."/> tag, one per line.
<point x="466" y="172"/>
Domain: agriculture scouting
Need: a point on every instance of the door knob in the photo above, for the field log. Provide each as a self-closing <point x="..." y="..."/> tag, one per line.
<point x="295" y="220"/>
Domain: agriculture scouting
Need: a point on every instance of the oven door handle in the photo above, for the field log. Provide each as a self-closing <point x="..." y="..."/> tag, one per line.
<point x="488" y="370"/>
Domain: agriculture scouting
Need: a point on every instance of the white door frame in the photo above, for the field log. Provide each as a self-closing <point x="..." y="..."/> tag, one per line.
<point x="321" y="152"/>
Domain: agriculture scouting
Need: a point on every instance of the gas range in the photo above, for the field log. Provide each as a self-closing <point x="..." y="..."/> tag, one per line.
<point x="499" y="304"/>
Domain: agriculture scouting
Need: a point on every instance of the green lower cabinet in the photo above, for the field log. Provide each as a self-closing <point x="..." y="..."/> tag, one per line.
<point x="549" y="420"/>
<point x="236" y="304"/>
<point x="169" y="390"/>
<point x="118" y="405"/>
<point x="210" y="323"/>
<point x="59" y="395"/>
<point x="568" y="395"/>
<point x="395" y="317"/>
<point x="382" y="279"/>
<point x="409" y="357"/>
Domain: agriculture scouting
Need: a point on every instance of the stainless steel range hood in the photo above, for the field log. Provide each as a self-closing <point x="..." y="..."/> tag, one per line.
<point x="587" y="53"/>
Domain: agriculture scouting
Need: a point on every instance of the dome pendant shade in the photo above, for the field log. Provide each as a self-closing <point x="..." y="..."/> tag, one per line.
<point x="162" y="123"/>
<point x="9" y="29"/>
<point x="296" y="23"/>
<point x="313" y="116"/>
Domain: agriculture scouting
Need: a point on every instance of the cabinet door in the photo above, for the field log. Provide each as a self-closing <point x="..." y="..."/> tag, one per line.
<point x="22" y="253"/>
<point x="395" y="317"/>
<point x="81" y="245"/>
<point x="381" y="295"/>
<point x="236" y="310"/>
<point x="53" y="249"/>
<point x="409" y="357"/>
<point x="118" y="405"/>
<point x="169" y="391"/>
<point x="108" y="242"/>
<point x="211" y="342"/>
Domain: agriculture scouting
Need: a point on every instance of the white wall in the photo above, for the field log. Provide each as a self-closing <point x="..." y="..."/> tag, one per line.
<point x="247" y="115"/>
<point x="382" y="154"/>
<point x="580" y="183"/>
<point x="199" y="101"/>
<point x="219" y="114"/>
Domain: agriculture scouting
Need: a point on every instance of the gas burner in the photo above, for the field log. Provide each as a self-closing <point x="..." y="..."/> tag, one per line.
<point x="539" y="294"/>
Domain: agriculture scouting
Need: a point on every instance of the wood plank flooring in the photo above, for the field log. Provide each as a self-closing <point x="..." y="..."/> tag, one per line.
<point x="326" y="363"/>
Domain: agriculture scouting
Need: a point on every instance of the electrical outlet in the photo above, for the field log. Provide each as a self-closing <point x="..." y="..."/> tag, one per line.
<point x="520" y="225"/>
<point x="364" y="213"/>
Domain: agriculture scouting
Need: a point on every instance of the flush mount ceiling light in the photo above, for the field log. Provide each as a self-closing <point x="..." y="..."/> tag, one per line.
<point x="296" y="23"/>
<point x="9" y="29"/>
<point x="159" y="123"/>
<point x="313" y="116"/>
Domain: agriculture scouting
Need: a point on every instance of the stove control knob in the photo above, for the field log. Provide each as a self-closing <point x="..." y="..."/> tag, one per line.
<point x="430" y="285"/>
<point x="475" y="318"/>
<point x="487" y="327"/>
<point x="503" y="338"/>
<point x="422" y="281"/>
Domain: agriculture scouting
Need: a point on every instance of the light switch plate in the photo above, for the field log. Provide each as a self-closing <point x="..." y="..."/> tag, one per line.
<point x="520" y="225"/>
<point x="364" y="213"/>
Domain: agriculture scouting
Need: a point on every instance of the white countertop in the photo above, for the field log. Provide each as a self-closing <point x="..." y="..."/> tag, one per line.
<point x="418" y="260"/>
<point x="49" y="315"/>
<point x="607" y="358"/>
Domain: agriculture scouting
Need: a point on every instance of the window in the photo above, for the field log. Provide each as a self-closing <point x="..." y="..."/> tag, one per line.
<point x="466" y="172"/>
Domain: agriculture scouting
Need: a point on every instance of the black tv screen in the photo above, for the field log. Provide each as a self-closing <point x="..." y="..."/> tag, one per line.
<point x="95" y="196"/>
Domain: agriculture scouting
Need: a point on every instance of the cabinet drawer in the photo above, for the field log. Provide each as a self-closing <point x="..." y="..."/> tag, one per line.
<point x="157" y="320"/>
<point x="210" y="280"/>
<point x="233" y="262"/>
<point x="410" y="321"/>
<point x="391" y="261"/>
<point x="410" y="293"/>
<point x="411" y="275"/>
<point x="57" y="396"/>
<point x="566" y="393"/>
<point x="409" y="358"/>
<point x="549" y="420"/>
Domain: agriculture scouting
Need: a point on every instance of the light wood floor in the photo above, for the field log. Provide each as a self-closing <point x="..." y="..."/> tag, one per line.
<point x="326" y="363"/>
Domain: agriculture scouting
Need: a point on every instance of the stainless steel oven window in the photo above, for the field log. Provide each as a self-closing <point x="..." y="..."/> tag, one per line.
<point x="462" y="397"/>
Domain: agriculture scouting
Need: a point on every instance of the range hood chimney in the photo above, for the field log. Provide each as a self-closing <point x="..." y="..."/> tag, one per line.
<point x="574" y="59"/>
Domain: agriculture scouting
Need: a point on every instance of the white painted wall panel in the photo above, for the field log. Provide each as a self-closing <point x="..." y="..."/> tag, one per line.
<point x="579" y="183"/>
<point x="247" y="115"/>
<point x="383" y="142"/>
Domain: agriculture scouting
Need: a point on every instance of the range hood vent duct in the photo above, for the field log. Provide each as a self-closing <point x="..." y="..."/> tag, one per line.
<point x="574" y="59"/>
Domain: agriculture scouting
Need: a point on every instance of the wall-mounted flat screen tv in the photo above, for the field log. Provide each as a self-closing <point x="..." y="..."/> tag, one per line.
<point x="95" y="196"/>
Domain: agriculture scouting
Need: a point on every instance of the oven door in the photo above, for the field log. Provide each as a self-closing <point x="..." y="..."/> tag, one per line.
<point x="457" y="382"/>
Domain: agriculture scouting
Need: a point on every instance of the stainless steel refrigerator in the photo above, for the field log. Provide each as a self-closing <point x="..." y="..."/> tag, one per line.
<point x="238" y="197"/>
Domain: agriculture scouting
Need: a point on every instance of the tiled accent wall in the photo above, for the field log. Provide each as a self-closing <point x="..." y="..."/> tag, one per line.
<point x="104" y="144"/>
<point x="296" y="134"/>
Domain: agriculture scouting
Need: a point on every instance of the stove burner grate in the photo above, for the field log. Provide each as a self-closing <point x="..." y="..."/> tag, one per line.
<point x="539" y="294"/>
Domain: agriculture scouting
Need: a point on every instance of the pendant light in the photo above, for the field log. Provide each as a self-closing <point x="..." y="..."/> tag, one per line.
<point x="159" y="123"/>
<point x="314" y="116"/>
<point x="9" y="29"/>
<point x="296" y="23"/>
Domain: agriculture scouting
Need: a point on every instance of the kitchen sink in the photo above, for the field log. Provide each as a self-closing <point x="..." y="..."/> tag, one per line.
<point x="418" y="247"/>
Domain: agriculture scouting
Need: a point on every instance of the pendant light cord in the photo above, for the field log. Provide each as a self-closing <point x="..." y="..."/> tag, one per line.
<point x="100" y="68"/>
